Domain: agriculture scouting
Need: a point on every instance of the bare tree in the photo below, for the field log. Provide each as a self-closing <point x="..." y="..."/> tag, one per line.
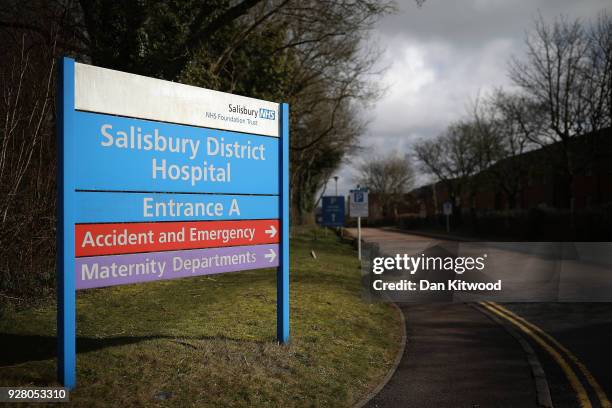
<point x="596" y="76"/>
<point x="386" y="175"/>
<point x="551" y="71"/>
<point x="551" y="75"/>
<point x="485" y="130"/>
<point x="450" y="158"/>
<point x="519" y="127"/>
<point x="390" y="176"/>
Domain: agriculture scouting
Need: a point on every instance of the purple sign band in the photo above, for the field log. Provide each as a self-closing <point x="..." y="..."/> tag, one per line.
<point x="99" y="271"/>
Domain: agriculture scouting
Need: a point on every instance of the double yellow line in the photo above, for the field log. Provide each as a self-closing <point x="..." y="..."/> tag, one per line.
<point x="558" y="352"/>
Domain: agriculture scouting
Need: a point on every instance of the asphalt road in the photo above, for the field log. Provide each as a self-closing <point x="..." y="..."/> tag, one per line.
<point x="585" y="329"/>
<point x="457" y="355"/>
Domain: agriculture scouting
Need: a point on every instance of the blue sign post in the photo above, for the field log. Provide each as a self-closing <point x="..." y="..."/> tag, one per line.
<point x="66" y="292"/>
<point x="282" y="279"/>
<point x="170" y="164"/>
<point x="333" y="211"/>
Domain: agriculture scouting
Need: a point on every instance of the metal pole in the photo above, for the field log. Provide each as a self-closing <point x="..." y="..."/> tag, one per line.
<point x="282" y="275"/>
<point x="359" y="237"/>
<point x="66" y="295"/>
<point x="336" y="180"/>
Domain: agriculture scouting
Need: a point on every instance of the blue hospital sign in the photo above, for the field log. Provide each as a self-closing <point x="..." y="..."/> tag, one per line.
<point x="160" y="180"/>
<point x="333" y="211"/>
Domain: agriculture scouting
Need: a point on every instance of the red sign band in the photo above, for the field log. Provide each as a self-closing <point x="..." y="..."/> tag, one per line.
<point x="128" y="238"/>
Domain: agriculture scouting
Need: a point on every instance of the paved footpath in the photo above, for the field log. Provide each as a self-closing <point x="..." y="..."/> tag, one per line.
<point x="455" y="356"/>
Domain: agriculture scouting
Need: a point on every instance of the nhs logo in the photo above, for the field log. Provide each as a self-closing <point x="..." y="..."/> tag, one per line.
<point x="267" y="114"/>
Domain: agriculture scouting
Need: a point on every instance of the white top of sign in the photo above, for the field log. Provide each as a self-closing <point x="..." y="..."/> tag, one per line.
<point x="119" y="93"/>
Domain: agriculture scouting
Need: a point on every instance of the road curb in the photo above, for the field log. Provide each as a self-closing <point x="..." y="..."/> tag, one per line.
<point x="434" y="235"/>
<point x="537" y="371"/>
<point x="396" y="362"/>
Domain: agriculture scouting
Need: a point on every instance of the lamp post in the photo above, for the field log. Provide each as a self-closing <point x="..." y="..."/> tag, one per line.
<point x="336" y="180"/>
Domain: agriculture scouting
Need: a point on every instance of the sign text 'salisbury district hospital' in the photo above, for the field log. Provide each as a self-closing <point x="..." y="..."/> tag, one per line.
<point x="161" y="180"/>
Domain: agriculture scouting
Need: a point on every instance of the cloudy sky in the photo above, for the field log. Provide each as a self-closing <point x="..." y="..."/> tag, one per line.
<point x="441" y="56"/>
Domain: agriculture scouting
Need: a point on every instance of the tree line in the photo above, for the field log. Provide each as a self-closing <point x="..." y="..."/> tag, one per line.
<point x="307" y="53"/>
<point x="562" y="91"/>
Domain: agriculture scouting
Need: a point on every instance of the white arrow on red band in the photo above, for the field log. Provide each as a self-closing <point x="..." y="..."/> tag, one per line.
<point x="272" y="231"/>
<point x="270" y="256"/>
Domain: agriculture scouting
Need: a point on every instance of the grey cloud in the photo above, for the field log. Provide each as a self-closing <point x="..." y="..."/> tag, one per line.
<point x="442" y="55"/>
<point x="469" y="23"/>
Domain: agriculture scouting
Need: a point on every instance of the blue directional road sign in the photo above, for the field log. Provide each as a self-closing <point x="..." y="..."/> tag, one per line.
<point x="333" y="211"/>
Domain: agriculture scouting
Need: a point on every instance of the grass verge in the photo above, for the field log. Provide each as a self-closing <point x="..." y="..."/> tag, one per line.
<point x="210" y="341"/>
